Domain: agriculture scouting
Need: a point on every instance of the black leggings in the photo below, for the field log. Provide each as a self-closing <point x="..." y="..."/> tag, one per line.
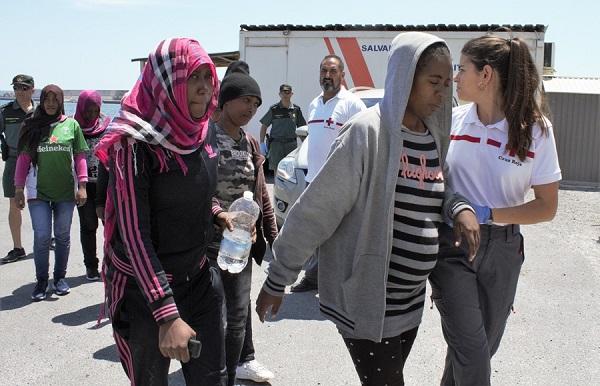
<point x="88" y="224"/>
<point x="380" y="364"/>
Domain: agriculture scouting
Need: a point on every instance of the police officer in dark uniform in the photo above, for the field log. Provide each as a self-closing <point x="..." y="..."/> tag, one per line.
<point x="12" y="116"/>
<point x="283" y="117"/>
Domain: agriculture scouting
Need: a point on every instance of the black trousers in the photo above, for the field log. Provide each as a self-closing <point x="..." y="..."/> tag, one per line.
<point x="199" y="302"/>
<point x="88" y="224"/>
<point x="380" y="364"/>
<point x="239" y="347"/>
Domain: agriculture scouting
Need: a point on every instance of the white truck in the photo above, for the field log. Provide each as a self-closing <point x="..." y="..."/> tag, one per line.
<point x="291" y="54"/>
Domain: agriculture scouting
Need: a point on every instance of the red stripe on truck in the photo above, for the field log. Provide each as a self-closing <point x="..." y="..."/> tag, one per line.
<point x="356" y="62"/>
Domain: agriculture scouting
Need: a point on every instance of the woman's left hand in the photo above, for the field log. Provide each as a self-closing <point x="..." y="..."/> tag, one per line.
<point x="81" y="196"/>
<point x="466" y="224"/>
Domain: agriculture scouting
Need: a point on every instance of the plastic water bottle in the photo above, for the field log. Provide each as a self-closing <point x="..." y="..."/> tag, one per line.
<point x="235" y="246"/>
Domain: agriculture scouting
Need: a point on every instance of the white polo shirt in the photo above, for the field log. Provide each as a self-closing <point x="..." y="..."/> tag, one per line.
<point x="482" y="170"/>
<point x="324" y="123"/>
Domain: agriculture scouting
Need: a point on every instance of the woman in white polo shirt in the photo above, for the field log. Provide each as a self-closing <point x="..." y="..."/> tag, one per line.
<point x="501" y="145"/>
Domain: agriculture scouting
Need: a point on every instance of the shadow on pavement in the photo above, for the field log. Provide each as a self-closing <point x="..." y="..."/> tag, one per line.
<point x="108" y="353"/>
<point x="250" y="383"/>
<point x="79" y="317"/>
<point x="28" y="256"/>
<point x="299" y="306"/>
<point x="176" y="379"/>
<point x="21" y="296"/>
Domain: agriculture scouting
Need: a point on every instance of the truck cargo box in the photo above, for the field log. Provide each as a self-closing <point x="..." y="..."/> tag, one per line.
<point x="291" y="54"/>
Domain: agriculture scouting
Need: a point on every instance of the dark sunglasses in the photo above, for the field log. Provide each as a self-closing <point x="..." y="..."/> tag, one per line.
<point x="21" y="88"/>
<point x="286" y="91"/>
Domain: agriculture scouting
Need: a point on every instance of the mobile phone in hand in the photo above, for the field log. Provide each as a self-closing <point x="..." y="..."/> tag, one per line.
<point x="194" y="347"/>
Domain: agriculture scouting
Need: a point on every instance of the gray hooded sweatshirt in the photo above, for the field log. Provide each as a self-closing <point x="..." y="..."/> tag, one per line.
<point x="347" y="211"/>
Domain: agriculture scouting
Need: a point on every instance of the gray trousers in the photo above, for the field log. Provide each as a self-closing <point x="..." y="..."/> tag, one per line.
<point x="475" y="300"/>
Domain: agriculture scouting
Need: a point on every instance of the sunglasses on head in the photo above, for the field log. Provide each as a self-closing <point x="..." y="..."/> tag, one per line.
<point x="21" y="88"/>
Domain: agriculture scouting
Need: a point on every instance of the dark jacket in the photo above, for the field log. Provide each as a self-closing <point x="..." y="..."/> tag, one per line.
<point x="164" y="219"/>
<point x="266" y="227"/>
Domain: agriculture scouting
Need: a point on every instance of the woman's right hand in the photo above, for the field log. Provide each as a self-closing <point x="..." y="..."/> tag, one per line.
<point x="173" y="338"/>
<point x="20" y="198"/>
<point x="267" y="303"/>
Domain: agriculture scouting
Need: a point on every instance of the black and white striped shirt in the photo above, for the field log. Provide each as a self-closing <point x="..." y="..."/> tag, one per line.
<point x="417" y="214"/>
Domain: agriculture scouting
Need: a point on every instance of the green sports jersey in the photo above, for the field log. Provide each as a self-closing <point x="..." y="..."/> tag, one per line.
<point x="54" y="178"/>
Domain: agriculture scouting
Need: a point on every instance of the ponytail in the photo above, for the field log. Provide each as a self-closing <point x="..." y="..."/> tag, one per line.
<point x="520" y="85"/>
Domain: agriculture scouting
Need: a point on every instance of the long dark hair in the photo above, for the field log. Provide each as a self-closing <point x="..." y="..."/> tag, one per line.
<point x="520" y="83"/>
<point x="37" y="127"/>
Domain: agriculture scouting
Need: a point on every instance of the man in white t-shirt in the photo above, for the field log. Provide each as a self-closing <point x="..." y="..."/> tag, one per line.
<point x="327" y="113"/>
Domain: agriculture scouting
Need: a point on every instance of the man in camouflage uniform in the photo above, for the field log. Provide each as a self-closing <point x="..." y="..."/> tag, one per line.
<point x="283" y="117"/>
<point x="12" y="116"/>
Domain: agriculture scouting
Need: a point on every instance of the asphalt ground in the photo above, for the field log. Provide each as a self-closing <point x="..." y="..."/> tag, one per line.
<point x="552" y="338"/>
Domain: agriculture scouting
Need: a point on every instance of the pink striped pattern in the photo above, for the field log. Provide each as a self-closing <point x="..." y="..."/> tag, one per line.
<point x="125" y="356"/>
<point x="165" y="311"/>
<point x="130" y="230"/>
<point x="116" y="296"/>
<point x="216" y="207"/>
<point x="203" y="261"/>
<point x="119" y="264"/>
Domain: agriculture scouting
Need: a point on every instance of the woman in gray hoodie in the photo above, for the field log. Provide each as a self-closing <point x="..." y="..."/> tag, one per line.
<point x="373" y="212"/>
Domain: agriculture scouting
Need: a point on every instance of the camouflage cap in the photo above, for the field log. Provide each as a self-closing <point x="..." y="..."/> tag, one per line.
<point x="23" y="79"/>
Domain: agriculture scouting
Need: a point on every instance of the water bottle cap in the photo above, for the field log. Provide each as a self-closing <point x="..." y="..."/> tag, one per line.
<point x="248" y="195"/>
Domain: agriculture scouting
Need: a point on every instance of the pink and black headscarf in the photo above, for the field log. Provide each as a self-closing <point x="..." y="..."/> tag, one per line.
<point x="156" y="111"/>
<point x="97" y="126"/>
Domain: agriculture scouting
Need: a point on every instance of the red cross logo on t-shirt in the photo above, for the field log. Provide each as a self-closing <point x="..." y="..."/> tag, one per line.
<point x="329" y="121"/>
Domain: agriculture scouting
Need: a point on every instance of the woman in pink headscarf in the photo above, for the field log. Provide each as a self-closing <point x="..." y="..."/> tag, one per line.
<point x="93" y="124"/>
<point x="162" y="165"/>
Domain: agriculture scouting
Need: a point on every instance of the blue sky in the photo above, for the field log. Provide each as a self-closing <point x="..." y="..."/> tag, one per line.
<point x="80" y="44"/>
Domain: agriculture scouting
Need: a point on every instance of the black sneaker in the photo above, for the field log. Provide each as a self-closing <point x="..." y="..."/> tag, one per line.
<point x="14" y="255"/>
<point x="61" y="287"/>
<point x="39" y="292"/>
<point x="305" y="285"/>
<point x="92" y="274"/>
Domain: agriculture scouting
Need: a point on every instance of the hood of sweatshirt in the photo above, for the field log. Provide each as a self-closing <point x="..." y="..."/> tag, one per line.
<point x="402" y="62"/>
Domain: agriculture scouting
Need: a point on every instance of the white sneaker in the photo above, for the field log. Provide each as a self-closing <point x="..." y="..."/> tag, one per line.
<point x="254" y="371"/>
